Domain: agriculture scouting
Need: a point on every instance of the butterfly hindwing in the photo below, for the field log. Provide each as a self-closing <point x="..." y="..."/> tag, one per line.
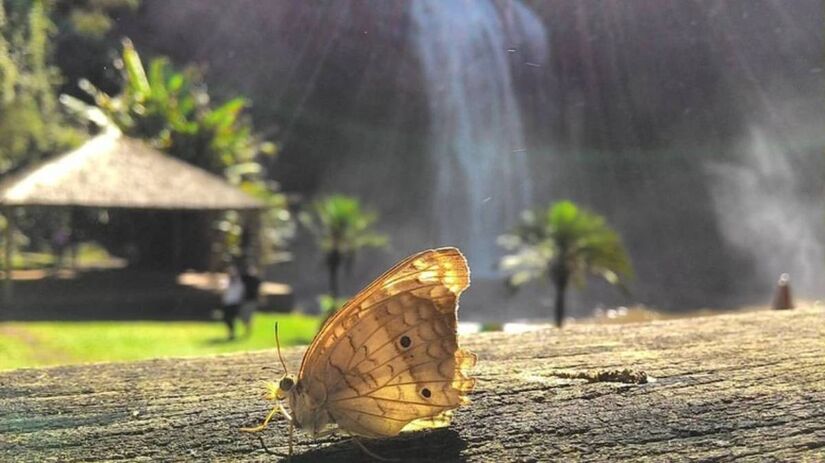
<point x="391" y="356"/>
<point x="410" y="373"/>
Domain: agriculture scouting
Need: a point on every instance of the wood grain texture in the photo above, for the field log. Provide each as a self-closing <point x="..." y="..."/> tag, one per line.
<point x="747" y="387"/>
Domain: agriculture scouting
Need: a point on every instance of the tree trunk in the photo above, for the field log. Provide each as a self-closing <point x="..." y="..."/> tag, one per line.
<point x="333" y="265"/>
<point x="560" y="280"/>
<point x="560" y="296"/>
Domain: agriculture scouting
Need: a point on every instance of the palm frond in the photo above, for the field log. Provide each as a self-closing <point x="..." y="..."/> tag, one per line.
<point x="564" y="233"/>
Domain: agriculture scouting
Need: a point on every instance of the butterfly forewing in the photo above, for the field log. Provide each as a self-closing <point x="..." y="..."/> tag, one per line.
<point x="390" y="356"/>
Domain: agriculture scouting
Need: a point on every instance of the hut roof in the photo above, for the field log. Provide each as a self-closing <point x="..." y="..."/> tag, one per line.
<point x="112" y="170"/>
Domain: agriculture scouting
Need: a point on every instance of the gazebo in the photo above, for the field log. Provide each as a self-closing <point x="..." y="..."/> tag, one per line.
<point x="114" y="171"/>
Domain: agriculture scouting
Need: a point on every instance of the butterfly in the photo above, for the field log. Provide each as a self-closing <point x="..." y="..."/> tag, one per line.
<point x="388" y="361"/>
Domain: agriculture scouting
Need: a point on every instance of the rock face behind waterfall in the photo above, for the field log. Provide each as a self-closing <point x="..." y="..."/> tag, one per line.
<point x="638" y="110"/>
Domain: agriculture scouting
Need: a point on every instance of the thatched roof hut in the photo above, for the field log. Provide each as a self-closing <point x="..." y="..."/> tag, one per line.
<point x="112" y="170"/>
<point x="115" y="171"/>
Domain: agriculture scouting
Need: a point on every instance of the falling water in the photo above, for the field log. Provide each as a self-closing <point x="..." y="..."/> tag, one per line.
<point x="466" y="50"/>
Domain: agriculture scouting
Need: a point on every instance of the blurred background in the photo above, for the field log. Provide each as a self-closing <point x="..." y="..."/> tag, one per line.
<point x="595" y="161"/>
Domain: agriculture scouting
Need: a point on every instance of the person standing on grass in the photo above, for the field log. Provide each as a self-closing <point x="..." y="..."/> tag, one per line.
<point x="251" y="290"/>
<point x="233" y="296"/>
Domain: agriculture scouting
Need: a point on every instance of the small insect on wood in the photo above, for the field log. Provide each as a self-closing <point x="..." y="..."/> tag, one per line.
<point x="386" y="362"/>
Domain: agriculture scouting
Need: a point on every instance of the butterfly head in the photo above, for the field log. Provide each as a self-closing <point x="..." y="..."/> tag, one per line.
<point x="285" y="385"/>
<point x="280" y="391"/>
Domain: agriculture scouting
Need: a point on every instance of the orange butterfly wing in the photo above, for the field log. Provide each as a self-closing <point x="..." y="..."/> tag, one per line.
<point x="390" y="356"/>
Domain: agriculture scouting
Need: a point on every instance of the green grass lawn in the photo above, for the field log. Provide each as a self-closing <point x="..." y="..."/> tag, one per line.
<point x="35" y="344"/>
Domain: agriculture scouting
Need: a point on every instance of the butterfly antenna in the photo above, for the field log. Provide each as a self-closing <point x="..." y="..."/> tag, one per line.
<point x="278" y="344"/>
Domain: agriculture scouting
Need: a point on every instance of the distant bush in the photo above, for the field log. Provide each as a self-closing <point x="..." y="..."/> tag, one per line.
<point x="491" y="326"/>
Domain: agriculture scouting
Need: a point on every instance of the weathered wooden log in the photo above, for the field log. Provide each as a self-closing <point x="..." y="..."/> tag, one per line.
<point x="747" y="386"/>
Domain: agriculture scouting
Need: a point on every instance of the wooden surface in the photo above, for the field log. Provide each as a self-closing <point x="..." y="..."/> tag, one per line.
<point x="749" y="386"/>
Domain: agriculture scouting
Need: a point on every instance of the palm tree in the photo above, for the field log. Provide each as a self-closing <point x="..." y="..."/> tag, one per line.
<point x="564" y="243"/>
<point x="341" y="227"/>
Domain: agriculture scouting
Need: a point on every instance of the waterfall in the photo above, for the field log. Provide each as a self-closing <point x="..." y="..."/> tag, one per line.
<point x="467" y="50"/>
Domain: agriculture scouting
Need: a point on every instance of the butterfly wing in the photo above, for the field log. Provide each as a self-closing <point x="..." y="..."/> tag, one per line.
<point x="390" y="356"/>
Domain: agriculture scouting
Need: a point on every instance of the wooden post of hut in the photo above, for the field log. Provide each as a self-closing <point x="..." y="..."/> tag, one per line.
<point x="8" y="233"/>
<point x="251" y="246"/>
<point x="216" y="249"/>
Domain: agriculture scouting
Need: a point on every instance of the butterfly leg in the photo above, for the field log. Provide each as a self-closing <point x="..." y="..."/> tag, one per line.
<point x="266" y="423"/>
<point x="291" y="427"/>
<point x="263" y="425"/>
<point x="266" y="449"/>
<point x="370" y="453"/>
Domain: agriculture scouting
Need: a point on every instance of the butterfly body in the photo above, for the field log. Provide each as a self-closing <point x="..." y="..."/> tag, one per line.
<point x="389" y="360"/>
<point x="307" y="413"/>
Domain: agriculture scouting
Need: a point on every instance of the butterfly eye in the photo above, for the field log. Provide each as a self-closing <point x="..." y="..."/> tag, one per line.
<point x="426" y="393"/>
<point x="405" y="341"/>
<point x="286" y="384"/>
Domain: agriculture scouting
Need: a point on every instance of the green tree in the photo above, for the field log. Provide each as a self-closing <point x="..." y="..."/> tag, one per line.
<point x="31" y="123"/>
<point x="172" y="110"/>
<point x="564" y="243"/>
<point x="84" y="43"/>
<point x="342" y="227"/>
